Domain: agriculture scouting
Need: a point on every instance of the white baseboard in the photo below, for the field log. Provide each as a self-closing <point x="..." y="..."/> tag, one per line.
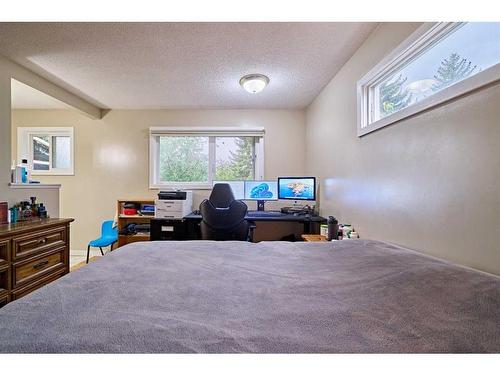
<point x="83" y="253"/>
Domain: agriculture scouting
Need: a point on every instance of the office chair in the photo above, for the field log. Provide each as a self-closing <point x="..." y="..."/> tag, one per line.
<point x="109" y="236"/>
<point x="223" y="217"/>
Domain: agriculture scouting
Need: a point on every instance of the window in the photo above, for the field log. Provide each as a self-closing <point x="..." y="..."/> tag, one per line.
<point x="194" y="157"/>
<point x="440" y="61"/>
<point x="234" y="158"/>
<point x="49" y="150"/>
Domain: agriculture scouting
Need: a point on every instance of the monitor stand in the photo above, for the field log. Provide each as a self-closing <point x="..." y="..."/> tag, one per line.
<point x="260" y="205"/>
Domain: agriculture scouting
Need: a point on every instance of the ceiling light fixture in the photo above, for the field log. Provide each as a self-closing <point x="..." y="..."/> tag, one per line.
<point x="254" y="83"/>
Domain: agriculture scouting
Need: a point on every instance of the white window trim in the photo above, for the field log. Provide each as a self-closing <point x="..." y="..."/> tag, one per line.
<point x="24" y="148"/>
<point x="423" y="38"/>
<point x="154" y="141"/>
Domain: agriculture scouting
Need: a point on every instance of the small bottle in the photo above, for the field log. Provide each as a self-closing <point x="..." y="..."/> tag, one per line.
<point x="42" y="211"/>
<point x="27" y="171"/>
<point x="18" y="174"/>
<point x="22" y="172"/>
<point x="333" y="228"/>
<point x="13" y="172"/>
<point x="346" y="231"/>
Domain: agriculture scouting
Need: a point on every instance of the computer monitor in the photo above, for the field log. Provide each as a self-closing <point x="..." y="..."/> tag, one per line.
<point x="297" y="188"/>
<point x="261" y="191"/>
<point x="238" y="188"/>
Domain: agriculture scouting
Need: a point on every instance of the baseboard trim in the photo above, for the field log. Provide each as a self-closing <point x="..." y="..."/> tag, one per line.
<point x="83" y="253"/>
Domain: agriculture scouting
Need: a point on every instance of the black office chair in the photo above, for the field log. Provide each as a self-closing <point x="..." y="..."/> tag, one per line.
<point x="223" y="217"/>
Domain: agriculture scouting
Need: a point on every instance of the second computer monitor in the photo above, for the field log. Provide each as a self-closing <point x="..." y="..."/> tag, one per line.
<point x="261" y="190"/>
<point x="297" y="188"/>
<point x="238" y="188"/>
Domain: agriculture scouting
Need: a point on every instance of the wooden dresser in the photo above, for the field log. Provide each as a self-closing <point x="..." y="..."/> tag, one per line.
<point x="32" y="254"/>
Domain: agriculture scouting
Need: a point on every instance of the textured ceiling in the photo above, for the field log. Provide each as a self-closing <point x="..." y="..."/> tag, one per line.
<point x="184" y="65"/>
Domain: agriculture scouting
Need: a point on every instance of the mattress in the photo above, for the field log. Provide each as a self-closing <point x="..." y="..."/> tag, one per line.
<point x="353" y="296"/>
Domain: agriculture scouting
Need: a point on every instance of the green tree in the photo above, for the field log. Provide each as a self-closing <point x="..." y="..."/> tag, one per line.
<point x="393" y="96"/>
<point x="224" y="171"/>
<point x="184" y="159"/>
<point x="452" y="69"/>
<point x="239" y="165"/>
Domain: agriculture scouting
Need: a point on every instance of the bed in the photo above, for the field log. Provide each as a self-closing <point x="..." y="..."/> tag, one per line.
<point x="353" y="296"/>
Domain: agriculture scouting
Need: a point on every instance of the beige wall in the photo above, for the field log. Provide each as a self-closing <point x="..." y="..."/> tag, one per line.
<point x="9" y="70"/>
<point x="49" y="196"/>
<point x="431" y="183"/>
<point x="5" y="126"/>
<point x="111" y="155"/>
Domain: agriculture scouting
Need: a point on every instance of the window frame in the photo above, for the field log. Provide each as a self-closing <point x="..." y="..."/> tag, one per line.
<point x="25" y="148"/>
<point x="425" y="37"/>
<point x="212" y="133"/>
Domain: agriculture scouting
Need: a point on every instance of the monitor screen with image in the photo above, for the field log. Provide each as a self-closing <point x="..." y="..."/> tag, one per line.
<point x="297" y="188"/>
<point x="238" y="188"/>
<point x="261" y="190"/>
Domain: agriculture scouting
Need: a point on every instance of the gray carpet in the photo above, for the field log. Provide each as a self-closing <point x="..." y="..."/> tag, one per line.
<point x="272" y="297"/>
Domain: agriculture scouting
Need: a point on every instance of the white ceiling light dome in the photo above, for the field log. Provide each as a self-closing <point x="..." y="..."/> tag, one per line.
<point x="254" y="83"/>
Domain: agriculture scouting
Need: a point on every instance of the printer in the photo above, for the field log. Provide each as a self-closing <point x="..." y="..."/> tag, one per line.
<point x="173" y="204"/>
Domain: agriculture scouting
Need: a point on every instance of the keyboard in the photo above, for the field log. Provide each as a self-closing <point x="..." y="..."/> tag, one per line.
<point x="265" y="214"/>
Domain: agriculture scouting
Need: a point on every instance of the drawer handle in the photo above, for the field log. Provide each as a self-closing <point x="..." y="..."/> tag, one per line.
<point x="42" y="241"/>
<point x="40" y="265"/>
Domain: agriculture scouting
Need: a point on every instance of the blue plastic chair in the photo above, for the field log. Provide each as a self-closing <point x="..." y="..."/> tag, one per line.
<point x="109" y="236"/>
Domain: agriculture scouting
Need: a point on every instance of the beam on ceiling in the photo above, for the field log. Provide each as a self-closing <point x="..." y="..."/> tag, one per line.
<point x="32" y="79"/>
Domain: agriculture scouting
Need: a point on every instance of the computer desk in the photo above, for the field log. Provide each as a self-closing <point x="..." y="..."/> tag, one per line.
<point x="188" y="228"/>
<point x="306" y="220"/>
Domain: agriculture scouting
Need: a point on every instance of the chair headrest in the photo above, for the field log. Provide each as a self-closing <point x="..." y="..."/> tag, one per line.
<point x="222" y="195"/>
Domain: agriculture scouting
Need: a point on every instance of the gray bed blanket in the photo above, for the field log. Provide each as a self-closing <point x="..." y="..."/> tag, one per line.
<point x="272" y="297"/>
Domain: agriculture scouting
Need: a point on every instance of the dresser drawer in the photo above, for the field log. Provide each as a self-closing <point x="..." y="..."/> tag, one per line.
<point x="38" y="242"/>
<point x="28" y="288"/>
<point x="29" y="269"/>
<point x="4" y="252"/>
<point x="4" y="299"/>
<point x="4" y="280"/>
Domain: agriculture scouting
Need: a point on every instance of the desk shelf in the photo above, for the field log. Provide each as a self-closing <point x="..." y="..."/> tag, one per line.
<point x="124" y="220"/>
<point x="136" y="217"/>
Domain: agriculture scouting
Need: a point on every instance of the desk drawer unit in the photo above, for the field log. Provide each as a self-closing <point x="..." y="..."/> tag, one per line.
<point x="38" y="242"/>
<point x="167" y="230"/>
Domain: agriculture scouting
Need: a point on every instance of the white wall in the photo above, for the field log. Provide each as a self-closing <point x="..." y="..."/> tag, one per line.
<point x="111" y="155"/>
<point x="431" y="182"/>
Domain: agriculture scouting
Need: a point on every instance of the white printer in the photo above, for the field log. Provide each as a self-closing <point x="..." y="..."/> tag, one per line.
<point x="173" y="204"/>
